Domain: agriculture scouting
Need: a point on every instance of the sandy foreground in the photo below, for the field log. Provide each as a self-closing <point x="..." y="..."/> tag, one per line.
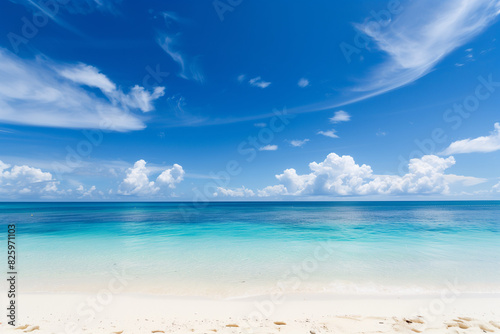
<point x="307" y="314"/>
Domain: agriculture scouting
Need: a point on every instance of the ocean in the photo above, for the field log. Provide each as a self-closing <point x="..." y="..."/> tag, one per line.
<point x="237" y="249"/>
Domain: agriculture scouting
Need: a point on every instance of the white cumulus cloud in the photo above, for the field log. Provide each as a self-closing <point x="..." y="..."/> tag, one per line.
<point x="24" y="180"/>
<point x="340" y="116"/>
<point x="341" y="175"/>
<point x="172" y="176"/>
<point x="137" y="181"/>
<point x="272" y="191"/>
<point x="86" y="192"/>
<point x="482" y="144"/>
<point x="238" y="192"/>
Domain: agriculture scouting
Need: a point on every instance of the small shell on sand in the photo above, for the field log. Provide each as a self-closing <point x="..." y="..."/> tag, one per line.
<point x="417" y="320"/>
<point x="34" y="328"/>
<point x="486" y="329"/>
<point x="353" y="317"/>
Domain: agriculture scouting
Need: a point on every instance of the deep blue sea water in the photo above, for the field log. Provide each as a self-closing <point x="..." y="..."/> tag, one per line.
<point x="234" y="249"/>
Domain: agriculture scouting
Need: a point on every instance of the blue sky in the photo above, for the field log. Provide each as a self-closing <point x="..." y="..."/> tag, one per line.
<point x="249" y="100"/>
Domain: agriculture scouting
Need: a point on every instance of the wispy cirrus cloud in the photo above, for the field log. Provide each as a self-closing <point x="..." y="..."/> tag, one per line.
<point x="88" y="76"/>
<point x="298" y="143"/>
<point x="254" y="82"/>
<point x="268" y="148"/>
<point x="496" y="188"/>
<point x="189" y="70"/>
<point x="421" y="36"/>
<point x="74" y="6"/>
<point x="53" y="9"/>
<point x="465" y="180"/>
<point x="303" y="82"/>
<point x="258" y="82"/>
<point x="412" y="44"/>
<point x="483" y="144"/>
<point x="41" y="92"/>
<point x="329" y="133"/>
<point x="169" y="42"/>
<point x="241" y="78"/>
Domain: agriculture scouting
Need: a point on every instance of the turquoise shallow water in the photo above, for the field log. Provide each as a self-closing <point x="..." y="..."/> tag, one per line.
<point x="235" y="249"/>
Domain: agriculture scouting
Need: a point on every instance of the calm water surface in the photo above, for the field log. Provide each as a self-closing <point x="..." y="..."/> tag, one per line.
<point x="234" y="249"/>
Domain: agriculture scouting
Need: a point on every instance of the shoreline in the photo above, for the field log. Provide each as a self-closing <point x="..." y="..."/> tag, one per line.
<point x="240" y="294"/>
<point x="299" y="295"/>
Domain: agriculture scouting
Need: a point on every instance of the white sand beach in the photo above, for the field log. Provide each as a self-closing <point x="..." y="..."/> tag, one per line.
<point x="299" y="313"/>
